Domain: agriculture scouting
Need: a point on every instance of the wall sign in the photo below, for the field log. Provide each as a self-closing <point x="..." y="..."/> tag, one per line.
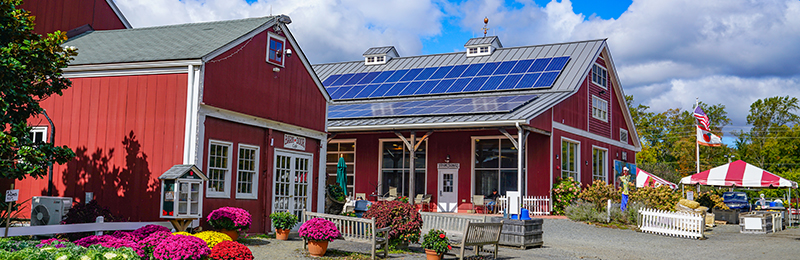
<point x="12" y="195"/>
<point x="448" y="165"/>
<point x="294" y="142"/>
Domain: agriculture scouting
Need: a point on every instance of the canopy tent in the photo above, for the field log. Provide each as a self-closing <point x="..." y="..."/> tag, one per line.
<point x="739" y="174"/>
<point x="646" y="179"/>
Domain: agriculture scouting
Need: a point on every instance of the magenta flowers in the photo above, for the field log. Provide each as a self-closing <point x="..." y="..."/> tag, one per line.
<point x="319" y="229"/>
<point x="229" y="218"/>
<point x="181" y="247"/>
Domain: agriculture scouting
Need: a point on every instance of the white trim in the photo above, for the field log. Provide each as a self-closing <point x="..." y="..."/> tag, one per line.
<point x="227" y="192"/>
<point x="302" y="57"/>
<point x="119" y="14"/>
<point x="40" y="129"/>
<point x="199" y="140"/>
<point x="294" y="154"/>
<point x="577" y="157"/>
<point x="240" y="40"/>
<point x="621" y="98"/>
<point x="130" y="68"/>
<point x="380" y="164"/>
<point x="245" y="119"/>
<point x="416" y="126"/>
<point x="605" y="162"/>
<point x="191" y="124"/>
<point x="472" y="160"/>
<point x="256" y="162"/>
<point x="271" y="35"/>
<point x="594" y="136"/>
<point x="591" y="75"/>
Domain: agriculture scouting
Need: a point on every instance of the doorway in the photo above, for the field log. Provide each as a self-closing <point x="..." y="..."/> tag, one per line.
<point x="291" y="182"/>
<point x="448" y="187"/>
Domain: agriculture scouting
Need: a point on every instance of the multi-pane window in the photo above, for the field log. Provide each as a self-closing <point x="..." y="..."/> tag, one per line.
<point x="569" y="159"/>
<point x="599" y="108"/>
<point x="599" y="76"/>
<point x="370" y="59"/>
<point x="623" y="135"/>
<point x="495" y="166"/>
<point x="379" y="59"/>
<point x="39" y="134"/>
<point x="219" y="168"/>
<point x="395" y="167"/>
<point x="276" y="50"/>
<point x="341" y="149"/>
<point x="485" y="49"/>
<point x="247" y="172"/>
<point x="599" y="164"/>
<point x="473" y="50"/>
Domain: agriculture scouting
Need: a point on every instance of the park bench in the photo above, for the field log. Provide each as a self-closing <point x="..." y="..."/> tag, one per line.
<point x="353" y="229"/>
<point x="452" y="224"/>
<point x="478" y="235"/>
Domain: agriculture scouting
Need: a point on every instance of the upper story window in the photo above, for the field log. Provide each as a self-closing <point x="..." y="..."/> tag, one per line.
<point x="219" y="169"/>
<point x="39" y="134"/>
<point x="380" y="59"/>
<point x="376" y="60"/>
<point x="599" y="76"/>
<point x="599" y="108"/>
<point x="275" y="49"/>
<point x="473" y="50"/>
<point x="370" y="59"/>
<point x="484" y="49"/>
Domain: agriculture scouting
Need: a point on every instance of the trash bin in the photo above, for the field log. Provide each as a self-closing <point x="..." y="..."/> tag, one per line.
<point x="361" y="207"/>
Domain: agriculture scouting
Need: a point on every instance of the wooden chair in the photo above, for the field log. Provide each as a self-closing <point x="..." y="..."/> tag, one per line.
<point x="426" y="202"/>
<point x="392" y="194"/>
<point x="477" y="202"/>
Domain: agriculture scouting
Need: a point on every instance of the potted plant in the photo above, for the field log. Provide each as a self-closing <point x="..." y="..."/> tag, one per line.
<point x="230" y="220"/>
<point x="334" y="199"/>
<point x="318" y="232"/>
<point x="283" y="222"/>
<point x="435" y="244"/>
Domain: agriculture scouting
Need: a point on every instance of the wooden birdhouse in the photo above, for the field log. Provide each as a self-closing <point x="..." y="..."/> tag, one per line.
<point x="182" y="192"/>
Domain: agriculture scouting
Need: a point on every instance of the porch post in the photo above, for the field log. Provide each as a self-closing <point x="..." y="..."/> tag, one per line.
<point x="412" y="171"/>
<point x="520" y="162"/>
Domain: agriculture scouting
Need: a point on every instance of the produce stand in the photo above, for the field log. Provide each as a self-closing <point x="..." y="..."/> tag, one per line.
<point x="758" y="222"/>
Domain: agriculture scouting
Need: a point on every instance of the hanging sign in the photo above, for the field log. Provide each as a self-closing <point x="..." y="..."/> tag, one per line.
<point x="12" y="195"/>
<point x="294" y="142"/>
<point x="448" y="165"/>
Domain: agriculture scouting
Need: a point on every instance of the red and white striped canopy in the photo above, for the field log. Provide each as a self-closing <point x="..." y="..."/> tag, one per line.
<point x="739" y="174"/>
<point x="646" y="179"/>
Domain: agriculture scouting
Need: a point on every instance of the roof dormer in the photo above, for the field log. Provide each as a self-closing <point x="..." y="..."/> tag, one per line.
<point x="482" y="46"/>
<point x="379" y="55"/>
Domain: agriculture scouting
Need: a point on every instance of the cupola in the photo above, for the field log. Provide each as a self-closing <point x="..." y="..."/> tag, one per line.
<point x="482" y="46"/>
<point x="380" y="55"/>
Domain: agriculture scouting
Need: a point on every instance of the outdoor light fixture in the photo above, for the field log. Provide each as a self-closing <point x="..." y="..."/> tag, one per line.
<point x="447" y="159"/>
<point x="602" y="92"/>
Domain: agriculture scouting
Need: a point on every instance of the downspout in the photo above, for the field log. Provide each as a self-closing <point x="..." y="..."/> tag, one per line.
<point x="519" y="158"/>
<point x="53" y="142"/>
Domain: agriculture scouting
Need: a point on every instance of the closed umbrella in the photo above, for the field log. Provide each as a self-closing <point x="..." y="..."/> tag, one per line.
<point x="341" y="174"/>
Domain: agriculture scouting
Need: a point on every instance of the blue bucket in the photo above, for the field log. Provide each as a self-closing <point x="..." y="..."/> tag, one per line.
<point x="524" y="215"/>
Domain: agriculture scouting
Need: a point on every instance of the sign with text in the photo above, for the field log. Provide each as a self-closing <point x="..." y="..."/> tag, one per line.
<point x="294" y="142"/>
<point x="448" y="165"/>
<point x="12" y="195"/>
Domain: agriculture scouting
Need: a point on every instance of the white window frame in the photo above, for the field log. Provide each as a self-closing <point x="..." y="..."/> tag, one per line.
<point x="577" y="173"/>
<point x="483" y="49"/>
<point x="254" y="192"/>
<point x="370" y="59"/>
<point x="380" y="59"/>
<point x="353" y="164"/>
<point x="39" y="129"/>
<point x="499" y="169"/>
<point x="271" y="36"/>
<point x="599" y="108"/>
<point x="603" y="75"/>
<point x="623" y="133"/>
<point x="603" y="164"/>
<point x="373" y="60"/>
<point x="217" y="194"/>
<point x="472" y="50"/>
<point x="381" y="141"/>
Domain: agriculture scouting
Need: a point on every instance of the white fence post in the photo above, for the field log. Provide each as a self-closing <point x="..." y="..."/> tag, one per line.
<point x="536" y="205"/>
<point x="99" y="220"/>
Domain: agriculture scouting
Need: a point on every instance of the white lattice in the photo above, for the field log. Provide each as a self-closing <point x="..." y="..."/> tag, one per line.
<point x="536" y="205"/>
<point x="677" y="224"/>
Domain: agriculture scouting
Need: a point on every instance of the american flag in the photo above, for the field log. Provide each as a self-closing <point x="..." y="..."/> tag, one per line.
<point x="702" y="119"/>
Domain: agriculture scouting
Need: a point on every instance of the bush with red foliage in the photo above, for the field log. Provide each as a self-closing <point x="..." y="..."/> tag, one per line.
<point x="230" y="250"/>
<point x="404" y="219"/>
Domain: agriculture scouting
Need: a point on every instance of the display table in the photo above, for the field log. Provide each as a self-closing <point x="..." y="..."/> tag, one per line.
<point x="760" y="222"/>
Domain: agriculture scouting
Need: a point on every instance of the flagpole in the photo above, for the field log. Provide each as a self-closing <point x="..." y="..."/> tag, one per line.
<point x="696" y="143"/>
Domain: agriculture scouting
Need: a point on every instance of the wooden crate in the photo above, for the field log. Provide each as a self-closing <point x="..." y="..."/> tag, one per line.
<point x="755" y="223"/>
<point x="521" y="233"/>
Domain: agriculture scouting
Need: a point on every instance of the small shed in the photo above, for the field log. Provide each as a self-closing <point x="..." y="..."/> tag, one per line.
<point x="182" y="192"/>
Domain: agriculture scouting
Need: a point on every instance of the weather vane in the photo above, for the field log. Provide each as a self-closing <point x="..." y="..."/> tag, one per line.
<point x="485" y="26"/>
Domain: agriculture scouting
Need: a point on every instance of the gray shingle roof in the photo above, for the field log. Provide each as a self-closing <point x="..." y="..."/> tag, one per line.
<point x="483" y="40"/>
<point x="379" y="50"/>
<point x="176" y="171"/>
<point x="171" y="42"/>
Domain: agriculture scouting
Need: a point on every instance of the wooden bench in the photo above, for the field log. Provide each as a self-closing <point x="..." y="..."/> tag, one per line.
<point x="452" y="224"/>
<point x="356" y="229"/>
<point x="478" y="235"/>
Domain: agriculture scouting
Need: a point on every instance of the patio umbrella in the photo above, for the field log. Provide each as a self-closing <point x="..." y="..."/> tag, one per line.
<point x="341" y="174"/>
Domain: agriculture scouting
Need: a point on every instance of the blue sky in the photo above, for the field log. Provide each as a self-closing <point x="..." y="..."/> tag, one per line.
<point x="666" y="52"/>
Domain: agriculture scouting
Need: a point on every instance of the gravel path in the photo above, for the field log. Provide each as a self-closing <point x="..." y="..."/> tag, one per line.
<point x="565" y="239"/>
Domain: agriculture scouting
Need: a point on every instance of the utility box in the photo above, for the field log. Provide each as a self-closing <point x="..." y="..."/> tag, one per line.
<point x="182" y="192"/>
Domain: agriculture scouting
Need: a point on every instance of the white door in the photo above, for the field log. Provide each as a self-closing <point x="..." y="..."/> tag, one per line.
<point x="291" y="183"/>
<point x="448" y="188"/>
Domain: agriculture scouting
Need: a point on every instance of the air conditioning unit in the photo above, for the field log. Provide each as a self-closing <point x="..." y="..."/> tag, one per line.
<point x="49" y="210"/>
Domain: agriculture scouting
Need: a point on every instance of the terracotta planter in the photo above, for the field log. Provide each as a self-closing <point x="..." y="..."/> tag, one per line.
<point x="282" y="234"/>
<point x="432" y="255"/>
<point x="234" y="234"/>
<point x="317" y="248"/>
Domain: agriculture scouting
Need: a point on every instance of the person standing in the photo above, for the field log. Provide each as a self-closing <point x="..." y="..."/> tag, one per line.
<point x="625" y="180"/>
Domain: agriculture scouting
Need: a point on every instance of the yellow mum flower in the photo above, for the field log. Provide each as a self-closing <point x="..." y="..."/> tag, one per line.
<point x="182" y="233"/>
<point x="212" y="238"/>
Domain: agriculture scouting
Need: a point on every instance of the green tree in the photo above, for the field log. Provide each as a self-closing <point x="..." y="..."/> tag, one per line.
<point x="768" y="144"/>
<point x="30" y="71"/>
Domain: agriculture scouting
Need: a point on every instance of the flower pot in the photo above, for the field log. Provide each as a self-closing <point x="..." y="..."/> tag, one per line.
<point x="282" y="234"/>
<point x="234" y="234"/>
<point x="317" y="248"/>
<point x="432" y="255"/>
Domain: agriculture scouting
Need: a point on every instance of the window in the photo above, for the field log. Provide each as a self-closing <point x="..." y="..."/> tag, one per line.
<point x="473" y="50"/>
<point x="39" y="134"/>
<point x="395" y="167"/>
<point x="219" y="168"/>
<point x="623" y="135"/>
<point x="275" y="49"/>
<point x="569" y="159"/>
<point x="495" y="166"/>
<point x="599" y="76"/>
<point x="485" y="49"/>
<point x="247" y="172"/>
<point x="599" y="108"/>
<point x="345" y="149"/>
<point x="379" y="59"/>
<point x="599" y="164"/>
<point x="370" y="59"/>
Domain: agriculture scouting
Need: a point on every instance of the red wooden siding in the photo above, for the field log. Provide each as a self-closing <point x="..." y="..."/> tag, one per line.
<point x="538" y="156"/>
<point x="598" y="126"/>
<point x="617" y="117"/>
<point x="585" y="160"/>
<point x="65" y="15"/>
<point x="573" y="110"/>
<point x="125" y="131"/>
<point x="288" y="96"/>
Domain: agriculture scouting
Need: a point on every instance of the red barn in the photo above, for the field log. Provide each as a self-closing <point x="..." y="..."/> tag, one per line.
<point x="75" y="16"/>
<point x="488" y="118"/>
<point x="236" y="98"/>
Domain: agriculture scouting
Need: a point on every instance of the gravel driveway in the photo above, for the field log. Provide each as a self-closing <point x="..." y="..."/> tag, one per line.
<point x="565" y="239"/>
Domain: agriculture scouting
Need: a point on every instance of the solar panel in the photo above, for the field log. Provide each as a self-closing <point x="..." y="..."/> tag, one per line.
<point x="479" y="105"/>
<point x="490" y="76"/>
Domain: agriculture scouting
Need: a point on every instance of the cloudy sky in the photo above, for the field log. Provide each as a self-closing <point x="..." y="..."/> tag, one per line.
<point x="667" y="52"/>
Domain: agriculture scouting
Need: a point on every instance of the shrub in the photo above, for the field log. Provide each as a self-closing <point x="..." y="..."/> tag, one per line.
<point x="661" y="198"/>
<point x="181" y="247"/>
<point x="565" y="191"/>
<point x="283" y="220"/>
<point x="319" y="229"/>
<point x="212" y="238"/>
<point x="86" y="213"/>
<point x="335" y="192"/>
<point x="599" y="193"/>
<point x="404" y="219"/>
<point x="150" y="229"/>
<point x="148" y="244"/>
<point x="582" y="211"/>
<point x="229" y="218"/>
<point x="230" y="250"/>
<point x="436" y="240"/>
<point x="711" y="199"/>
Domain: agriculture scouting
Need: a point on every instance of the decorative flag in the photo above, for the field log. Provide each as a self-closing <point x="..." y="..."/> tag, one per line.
<point x="707" y="138"/>
<point x="702" y="119"/>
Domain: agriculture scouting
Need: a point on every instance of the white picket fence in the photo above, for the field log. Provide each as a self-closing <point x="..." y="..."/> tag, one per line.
<point x="98" y="226"/>
<point x="677" y="224"/>
<point x="536" y="205"/>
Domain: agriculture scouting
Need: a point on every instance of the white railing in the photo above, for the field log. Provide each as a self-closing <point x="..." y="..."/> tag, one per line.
<point x="536" y="205"/>
<point x="98" y="226"/>
<point x="677" y="224"/>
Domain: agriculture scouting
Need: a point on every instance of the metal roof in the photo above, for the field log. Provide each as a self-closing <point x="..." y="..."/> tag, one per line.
<point x="483" y="40"/>
<point x="380" y="50"/>
<point x="582" y="55"/>
<point x="171" y="42"/>
<point x="178" y="170"/>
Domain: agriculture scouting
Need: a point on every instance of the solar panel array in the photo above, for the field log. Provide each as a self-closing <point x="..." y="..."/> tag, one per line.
<point x="491" y="76"/>
<point x="430" y="107"/>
